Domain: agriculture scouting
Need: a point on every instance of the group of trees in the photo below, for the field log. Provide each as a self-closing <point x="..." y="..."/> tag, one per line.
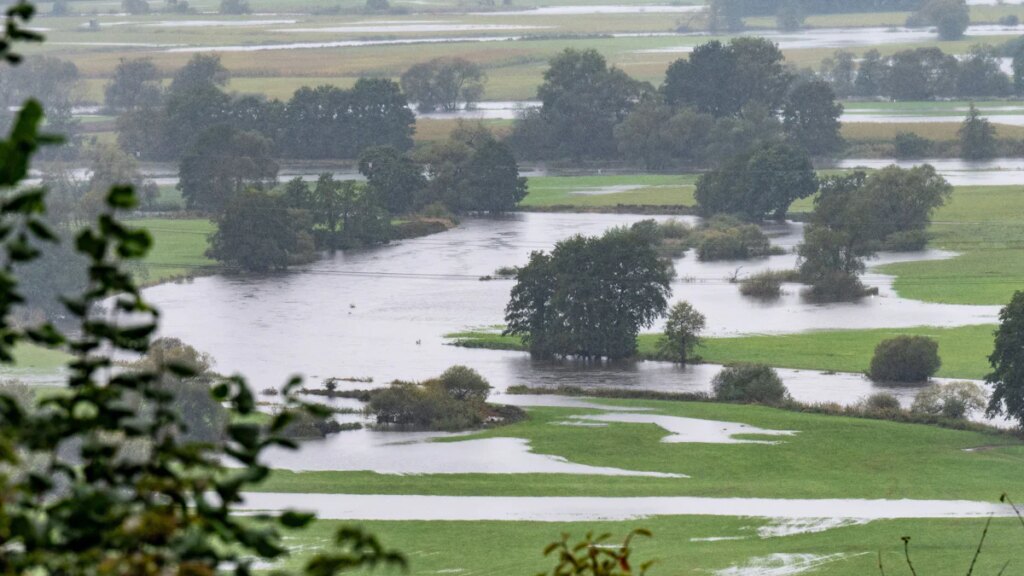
<point x="721" y="101"/>
<point x="856" y="215"/>
<point x="455" y="400"/>
<point x="921" y="74"/>
<point x="590" y="296"/>
<point x="445" y="84"/>
<point x="950" y="17"/>
<point x="261" y="229"/>
<point x="321" y="122"/>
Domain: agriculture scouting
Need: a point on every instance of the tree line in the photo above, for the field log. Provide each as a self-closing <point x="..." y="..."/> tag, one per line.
<point x="924" y="74"/>
<point x="324" y="122"/>
<point x="721" y="101"/>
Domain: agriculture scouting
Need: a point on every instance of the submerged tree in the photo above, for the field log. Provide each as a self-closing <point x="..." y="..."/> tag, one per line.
<point x="590" y="296"/>
<point x="682" y="333"/>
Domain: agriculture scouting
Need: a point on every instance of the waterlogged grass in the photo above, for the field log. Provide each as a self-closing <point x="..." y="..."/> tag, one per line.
<point x="940" y="547"/>
<point x="939" y="131"/>
<point x="964" y="350"/>
<point x="611" y="190"/>
<point x="829" y="457"/>
<point x="179" y="248"/>
<point x="32" y="358"/>
<point x="983" y="223"/>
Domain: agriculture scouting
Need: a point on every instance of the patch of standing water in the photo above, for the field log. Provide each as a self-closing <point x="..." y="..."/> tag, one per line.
<point x="338" y="44"/>
<point x="590" y="509"/>
<point x="792" y="526"/>
<point x="693" y="430"/>
<point x="409" y="27"/>
<point x="994" y="172"/>
<point x="781" y="564"/>
<point x="598" y="9"/>
<point x="495" y="110"/>
<point x="419" y="453"/>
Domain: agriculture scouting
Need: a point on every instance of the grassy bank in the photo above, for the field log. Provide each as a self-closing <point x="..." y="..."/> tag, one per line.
<point x="179" y="248"/>
<point x="689" y="545"/>
<point x="983" y="224"/>
<point x="611" y="190"/>
<point x="964" y="350"/>
<point x="828" y="457"/>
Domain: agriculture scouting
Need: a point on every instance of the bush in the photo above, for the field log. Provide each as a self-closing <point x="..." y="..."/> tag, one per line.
<point x="910" y="145"/>
<point x="721" y="241"/>
<point x="881" y="404"/>
<point x="837" y="287"/>
<point x="766" y="285"/>
<point x="465" y="384"/>
<point x="754" y="383"/>
<point x="954" y="400"/>
<point x="905" y="359"/>
<point x="454" y="401"/>
<point x="1009" y="20"/>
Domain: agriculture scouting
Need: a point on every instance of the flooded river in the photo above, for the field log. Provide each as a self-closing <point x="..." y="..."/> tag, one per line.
<point x="383" y="312"/>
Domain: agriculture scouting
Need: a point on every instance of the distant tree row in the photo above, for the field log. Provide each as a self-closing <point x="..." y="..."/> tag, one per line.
<point x="950" y="17"/>
<point x="921" y="74"/>
<point x="720" y="102"/>
<point x="321" y="122"/>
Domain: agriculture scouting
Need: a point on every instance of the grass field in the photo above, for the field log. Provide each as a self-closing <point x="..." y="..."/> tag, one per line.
<point x="984" y="224"/>
<point x="611" y="190"/>
<point x="829" y="457"/>
<point x="963" y="350"/>
<point x="179" y="248"/>
<point x="685" y="545"/>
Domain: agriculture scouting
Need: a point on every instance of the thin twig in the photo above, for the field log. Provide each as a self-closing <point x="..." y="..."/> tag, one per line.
<point x="1004" y="568"/>
<point x="981" y="543"/>
<point x="1006" y="499"/>
<point x="906" y="553"/>
<point x="880" y="568"/>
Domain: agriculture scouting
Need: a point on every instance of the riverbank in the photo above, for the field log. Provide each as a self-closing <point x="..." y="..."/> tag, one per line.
<point x="964" y="350"/>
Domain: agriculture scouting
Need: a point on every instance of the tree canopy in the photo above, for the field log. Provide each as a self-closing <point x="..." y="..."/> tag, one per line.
<point x="222" y="162"/>
<point x="590" y="296"/>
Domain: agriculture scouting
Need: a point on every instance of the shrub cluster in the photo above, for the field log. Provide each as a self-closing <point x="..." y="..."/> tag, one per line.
<point x="955" y="400"/>
<point x="768" y="284"/>
<point x="456" y="400"/>
<point x="753" y="383"/>
<point x="905" y="359"/>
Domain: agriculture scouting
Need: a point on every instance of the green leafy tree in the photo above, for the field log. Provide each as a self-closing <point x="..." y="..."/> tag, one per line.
<point x="905" y="359"/>
<point x="950" y="17"/>
<point x="872" y="75"/>
<point x="582" y="100"/>
<point x="222" y="162"/>
<point x="202" y="71"/>
<point x="591" y="296"/>
<point x="492" y="182"/>
<point x="725" y="15"/>
<point x="394" y="178"/>
<point x="464" y="384"/>
<point x="977" y="136"/>
<point x="1007" y="361"/>
<point x="981" y="74"/>
<point x="135" y="84"/>
<point x="811" y="117"/>
<point x="682" y="333"/>
<point x="257" y="233"/>
<point x="749" y="383"/>
<point x="758" y="184"/>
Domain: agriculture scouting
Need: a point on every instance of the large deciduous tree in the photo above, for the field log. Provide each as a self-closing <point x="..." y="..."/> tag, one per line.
<point x="1007" y="360"/>
<point x="977" y="136"/>
<point x="444" y="84"/>
<point x="256" y="232"/>
<point x="394" y="178"/>
<point x="222" y="162"/>
<point x="810" y="117"/>
<point x="590" y="296"/>
<point x="758" y="184"/>
<point x="135" y="84"/>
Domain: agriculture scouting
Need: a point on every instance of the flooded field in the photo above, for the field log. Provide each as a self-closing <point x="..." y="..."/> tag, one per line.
<point x="995" y="172"/>
<point x="383" y="312"/>
<point x="578" y="509"/>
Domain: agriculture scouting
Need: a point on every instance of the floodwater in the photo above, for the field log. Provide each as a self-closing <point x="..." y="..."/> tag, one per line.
<point x="578" y="509"/>
<point x="689" y="430"/>
<point x="413" y="27"/>
<point x="383" y="312"/>
<point x="338" y="44"/>
<point x="418" y="453"/>
<point x="994" y="172"/>
<point x="851" y="37"/>
<point x="494" y="110"/>
<point x="598" y="9"/>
